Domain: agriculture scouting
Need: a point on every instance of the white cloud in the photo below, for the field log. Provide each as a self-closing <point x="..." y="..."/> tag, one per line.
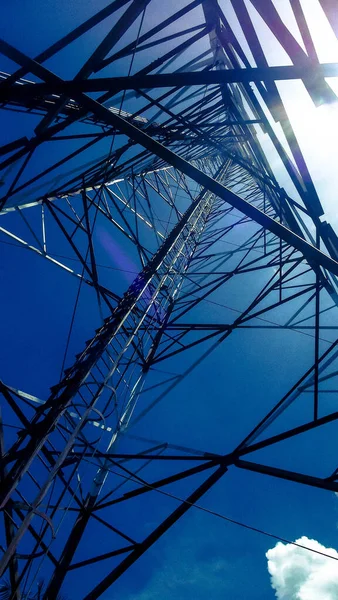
<point x="297" y="574"/>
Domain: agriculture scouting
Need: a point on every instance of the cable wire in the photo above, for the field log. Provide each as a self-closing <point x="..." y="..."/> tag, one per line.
<point x="220" y="515"/>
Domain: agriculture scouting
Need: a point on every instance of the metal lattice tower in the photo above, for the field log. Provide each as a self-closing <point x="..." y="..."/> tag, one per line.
<point x="161" y="156"/>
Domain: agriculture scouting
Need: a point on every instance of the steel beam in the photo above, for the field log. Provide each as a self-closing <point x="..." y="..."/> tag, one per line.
<point x="135" y="82"/>
<point x="310" y="252"/>
<point x="318" y="482"/>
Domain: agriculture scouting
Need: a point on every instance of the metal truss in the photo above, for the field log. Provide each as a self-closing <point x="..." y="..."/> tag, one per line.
<point x="168" y="161"/>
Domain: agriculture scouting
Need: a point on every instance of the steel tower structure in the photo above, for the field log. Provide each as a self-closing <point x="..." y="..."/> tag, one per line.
<point x="159" y="141"/>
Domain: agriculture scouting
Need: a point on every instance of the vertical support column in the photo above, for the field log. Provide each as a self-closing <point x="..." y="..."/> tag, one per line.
<point x="9" y="527"/>
<point x="115" y="337"/>
<point x="317" y="324"/>
<point x="194" y="226"/>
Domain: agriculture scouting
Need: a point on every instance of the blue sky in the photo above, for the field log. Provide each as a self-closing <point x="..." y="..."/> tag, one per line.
<point x="214" y="407"/>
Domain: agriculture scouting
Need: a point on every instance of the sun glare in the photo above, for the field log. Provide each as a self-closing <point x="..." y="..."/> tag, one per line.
<point x="316" y="127"/>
